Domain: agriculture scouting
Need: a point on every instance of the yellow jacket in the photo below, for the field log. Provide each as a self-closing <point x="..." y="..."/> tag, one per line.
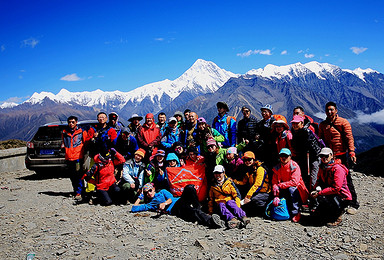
<point x="222" y="194"/>
<point x="258" y="180"/>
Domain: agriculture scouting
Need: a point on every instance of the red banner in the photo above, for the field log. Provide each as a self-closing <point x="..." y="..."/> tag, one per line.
<point x="179" y="177"/>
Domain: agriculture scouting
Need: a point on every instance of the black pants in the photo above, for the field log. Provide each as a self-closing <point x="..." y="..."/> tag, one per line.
<point x="345" y="160"/>
<point x="188" y="207"/>
<point x="75" y="173"/>
<point x="329" y="208"/>
<point x="107" y="197"/>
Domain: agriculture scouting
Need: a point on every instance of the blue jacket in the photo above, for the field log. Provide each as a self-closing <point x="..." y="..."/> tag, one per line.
<point x="170" y="136"/>
<point x="228" y="131"/>
<point x="153" y="205"/>
<point x="132" y="171"/>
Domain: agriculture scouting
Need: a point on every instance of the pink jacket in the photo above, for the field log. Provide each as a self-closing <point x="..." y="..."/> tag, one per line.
<point x="333" y="180"/>
<point x="289" y="175"/>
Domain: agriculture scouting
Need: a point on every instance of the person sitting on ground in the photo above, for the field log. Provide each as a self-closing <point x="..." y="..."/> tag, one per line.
<point x="135" y="124"/>
<point x="186" y="207"/>
<point x="155" y="168"/>
<point x="193" y="157"/>
<point x="287" y="183"/>
<point x="179" y="149"/>
<point x="224" y="198"/>
<point x="332" y="194"/>
<point x="203" y="133"/>
<point x="225" y="125"/>
<point x="258" y="195"/>
<point x="162" y="179"/>
<point x="162" y="122"/>
<point x="103" y="172"/>
<point x="171" y="134"/>
<point x="232" y="162"/>
<point x="133" y="176"/>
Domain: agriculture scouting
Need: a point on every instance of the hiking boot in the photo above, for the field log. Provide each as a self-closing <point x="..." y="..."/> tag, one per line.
<point x="78" y="197"/>
<point x="216" y="222"/>
<point x="351" y="210"/>
<point x="335" y="223"/>
<point x="296" y="218"/>
<point x="233" y="223"/>
<point x="244" y="222"/>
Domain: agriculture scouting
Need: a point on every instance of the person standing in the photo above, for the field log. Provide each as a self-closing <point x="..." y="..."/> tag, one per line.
<point x="337" y="135"/>
<point x="246" y="128"/>
<point x="148" y="136"/>
<point x="225" y="125"/>
<point x="102" y="135"/>
<point x="135" y="124"/>
<point x="162" y="122"/>
<point x="74" y="139"/>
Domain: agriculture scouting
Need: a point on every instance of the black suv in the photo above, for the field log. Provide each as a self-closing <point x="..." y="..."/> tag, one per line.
<point x="46" y="149"/>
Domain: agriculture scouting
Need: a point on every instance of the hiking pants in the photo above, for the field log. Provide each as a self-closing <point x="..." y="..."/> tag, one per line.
<point x="106" y="197"/>
<point x="230" y="210"/>
<point x="292" y="195"/>
<point x="75" y="173"/>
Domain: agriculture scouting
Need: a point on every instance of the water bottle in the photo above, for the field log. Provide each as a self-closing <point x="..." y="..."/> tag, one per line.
<point x="30" y="256"/>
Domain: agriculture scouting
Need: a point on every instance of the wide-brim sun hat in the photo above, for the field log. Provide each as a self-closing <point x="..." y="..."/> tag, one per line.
<point x="135" y="116"/>
<point x="223" y="105"/>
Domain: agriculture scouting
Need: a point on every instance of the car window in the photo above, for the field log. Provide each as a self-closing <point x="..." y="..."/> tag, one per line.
<point x="49" y="133"/>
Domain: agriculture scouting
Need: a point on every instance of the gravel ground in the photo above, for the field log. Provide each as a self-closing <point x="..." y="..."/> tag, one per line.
<point x="38" y="215"/>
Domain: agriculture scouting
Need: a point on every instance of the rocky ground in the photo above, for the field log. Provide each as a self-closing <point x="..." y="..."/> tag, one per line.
<point x="38" y="215"/>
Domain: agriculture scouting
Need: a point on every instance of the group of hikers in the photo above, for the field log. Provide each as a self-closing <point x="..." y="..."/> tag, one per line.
<point x="248" y="166"/>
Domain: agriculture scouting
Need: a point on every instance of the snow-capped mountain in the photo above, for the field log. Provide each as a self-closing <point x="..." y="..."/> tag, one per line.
<point x="321" y="70"/>
<point x="8" y="105"/>
<point x="203" y="77"/>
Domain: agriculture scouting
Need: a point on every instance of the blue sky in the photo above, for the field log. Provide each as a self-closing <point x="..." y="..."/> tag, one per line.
<point x="121" y="45"/>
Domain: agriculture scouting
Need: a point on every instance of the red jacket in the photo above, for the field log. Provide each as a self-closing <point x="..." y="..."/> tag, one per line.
<point x="289" y="175"/>
<point x="74" y="143"/>
<point x="333" y="180"/>
<point x="104" y="173"/>
<point x="284" y="140"/>
<point x="148" y="136"/>
<point x="339" y="139"/>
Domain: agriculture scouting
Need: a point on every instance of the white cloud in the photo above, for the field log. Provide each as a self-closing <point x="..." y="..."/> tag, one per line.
<point x="358" y="50"/>
<point x="321" y="115"/>
<point x="377" y="117"/>
<point x="159" y="39"/>
<point x="284" y="52"/>
<point x="31" y="42"/>
<point x="254" y="52"/>
<point x="300" y="51"/>
<point x="2" y="48"/>
<point x="308" y="56"/>
<point x="71" y="77"/>
<point x="100" y="76"/>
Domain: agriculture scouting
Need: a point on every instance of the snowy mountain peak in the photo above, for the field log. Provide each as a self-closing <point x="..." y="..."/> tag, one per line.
<point x="8" y="105"/>
<point x="360" y="72"/>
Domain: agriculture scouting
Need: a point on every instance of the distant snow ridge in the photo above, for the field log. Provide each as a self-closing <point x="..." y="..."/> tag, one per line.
<point x="8" y="105"/>
<point x="296" y="70"/>
<point x="203" y="77"/>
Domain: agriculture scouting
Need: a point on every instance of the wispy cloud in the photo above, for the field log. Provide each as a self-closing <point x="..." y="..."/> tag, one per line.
<point x="358" y="50"/>
<point x="300" y="51"/>
<point x="377" y="117"/>
<point x="284" y="52"/>
<point x="17" y="100"/>
<point x="159" y="39"/>
<point x="2" y="47"/>
<point x="31" y="42"/>
<point x="254" y="52"/>
<point x="71" y="77"/>
<point x="309" y="56"/>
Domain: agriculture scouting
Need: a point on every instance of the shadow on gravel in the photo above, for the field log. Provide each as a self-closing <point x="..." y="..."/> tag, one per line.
<point x="56" y="193"/>
<point x="44" y="176"/>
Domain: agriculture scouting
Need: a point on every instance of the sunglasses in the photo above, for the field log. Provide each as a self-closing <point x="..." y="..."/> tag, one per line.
<point x="323" y="156"/>
<point x="72" y="122"/>
<point x="247" y="159"/>
<point x="150" y="190"/>
<point x="284" y="155"/>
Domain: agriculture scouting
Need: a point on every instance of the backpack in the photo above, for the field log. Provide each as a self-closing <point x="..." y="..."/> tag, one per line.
<point x="228" y="120"/>
<point x="277" y="213"/>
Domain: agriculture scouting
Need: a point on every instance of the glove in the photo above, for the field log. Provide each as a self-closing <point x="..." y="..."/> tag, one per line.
<point x="112" y="152"/>
<point x="276" y="190"/>
<point x="276" y="201"/>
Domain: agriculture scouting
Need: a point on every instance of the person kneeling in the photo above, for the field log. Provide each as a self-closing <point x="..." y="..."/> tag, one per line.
<point x="224" y="195"/>
<point x="287" y="183"/>
<point x="332" y="194"/>
<point x="186" y="207"/>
